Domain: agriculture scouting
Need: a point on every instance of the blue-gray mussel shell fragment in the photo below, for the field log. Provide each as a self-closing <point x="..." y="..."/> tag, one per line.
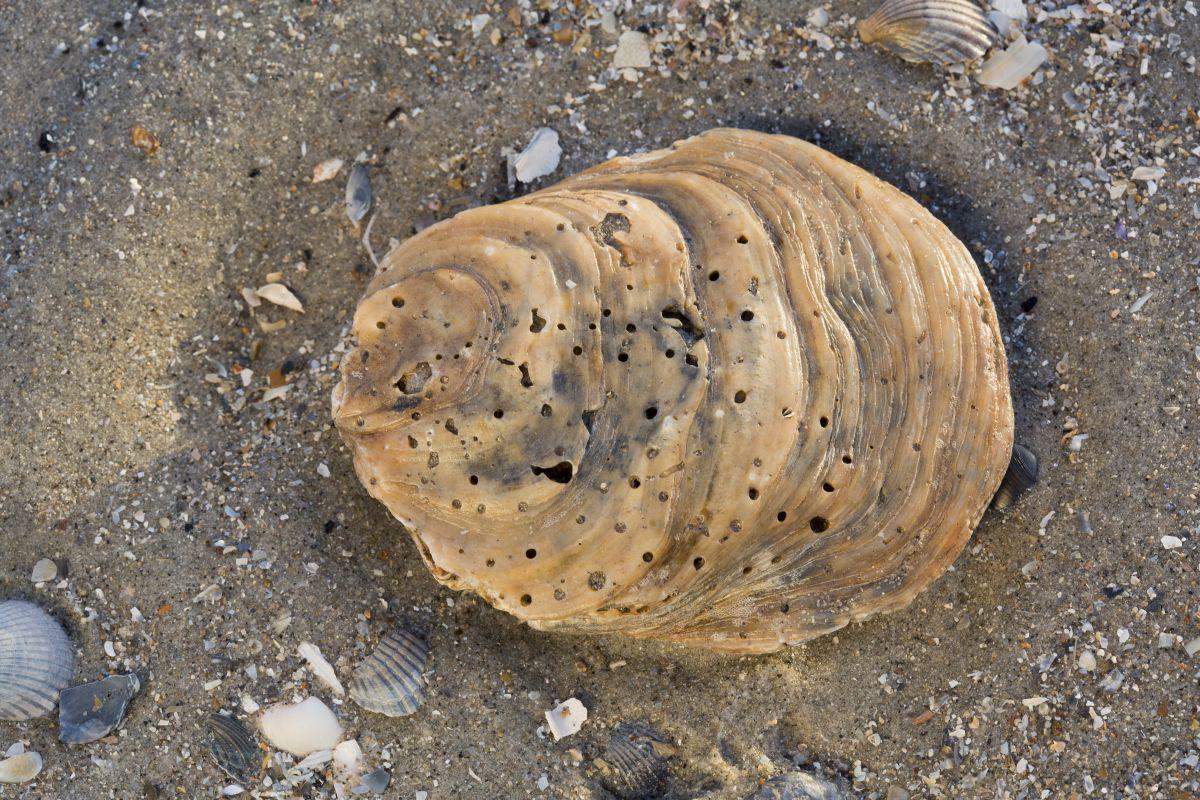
<point x="91" y="711"/>
<point x="799" y="786"/>
<point x="234" y="747"/>
<point x="36" y="660"/>
<point x="1021" y="475"/>
<point x="373" y="782"/>
<point x="390" y="681"/>
<point x="635" y="763"/>
<point x="358" y="193"/>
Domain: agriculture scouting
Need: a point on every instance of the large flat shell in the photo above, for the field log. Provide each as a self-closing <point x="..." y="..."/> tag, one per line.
<point x="737" y="393"/>
<point x="391" y="680"/>
<point x="937" y="31"/>
<point x="36" y="660"/>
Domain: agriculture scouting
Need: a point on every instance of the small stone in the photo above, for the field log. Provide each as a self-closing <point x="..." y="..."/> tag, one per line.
<point x="44" y="571"/>
<point x="817" y="18"/>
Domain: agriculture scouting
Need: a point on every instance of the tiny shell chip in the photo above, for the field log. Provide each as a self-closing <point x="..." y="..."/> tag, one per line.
<point x="91" y="711"/>
<point x="358" y="193"/>
<point x="566" y="718"/>
<point x="20" y="768"/>
<point x="280" y="295"/>
<point x="799" y="786"/>
<point x="540" y="157"/>
<point x="1006" y="69"/>
<point x="36" y="660"/>
<point x="938" y="31"/>
<point x="1021" y="475"/>
<point x="320" y="667"/>
<point x="301" y="728"/>
<point x="327" y="170"/>
<point x="374" y="781"/>
<point x="635" y="762"/>
<point x="234" y="747"/>
<point x="390" y="680"/>
<point x="43" y="571"/>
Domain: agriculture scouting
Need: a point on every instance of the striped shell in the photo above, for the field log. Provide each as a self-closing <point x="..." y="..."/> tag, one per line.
<point x="234" y="747"/>
<point x="735" y="394"/>
<point x="391" y="680"/>
<point x="635" y="763"/>
<point x="1022" y="474"/>
<point x="36" y="660"/>
<point x="939" y="31"/>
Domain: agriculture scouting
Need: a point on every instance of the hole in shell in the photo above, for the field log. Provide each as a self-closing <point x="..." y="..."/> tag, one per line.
<point x="818" y="524"/>
<point x="827" y="486"/>
<point x="698" y="562"/>
<point x="781" y="516"/>
<point x="577" y="350"/>
<point x="739" y="396"/>
<point x="397" y="302"/>
<point x="622" y="357"/>
<point x="531" y="553"/>
<point x="559" y="473"/>
<point x="380" y="324"/>
<point x="526" y="599"/>
<point x="498" y="413"/>
<point x="753" y="493"/>
<point x="651" y="412"/>
<point x="647" y="557"/>
<point x="747" y="315"/>
<point x="474" y="480"/>
<point x="538" y="323"/>
<point x="413" y="381"/>
<point x="824" y="422"/>
<point x="847" y="460"/>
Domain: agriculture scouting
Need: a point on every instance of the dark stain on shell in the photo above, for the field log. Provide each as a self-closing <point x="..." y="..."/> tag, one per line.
<point x="635" y="763"/>
<point x="1022" y="474"/>
<point x="234" y="747"/>
<point x="391" y="680"/>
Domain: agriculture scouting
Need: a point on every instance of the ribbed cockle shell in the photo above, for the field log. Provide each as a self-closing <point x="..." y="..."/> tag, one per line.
<point x="735" y="393"/>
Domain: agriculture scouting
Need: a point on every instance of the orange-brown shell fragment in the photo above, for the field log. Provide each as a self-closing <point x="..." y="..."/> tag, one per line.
<point x="734" y="394"/>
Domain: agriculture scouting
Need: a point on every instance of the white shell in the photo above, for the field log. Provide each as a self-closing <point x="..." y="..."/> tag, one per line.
<point x="36" y="660"/>
<point x="1006" y="69"/>
<point x="320" y="667"/>
<point x="390" y="681"/>
<point x="540" y="157"/>
<point x="301" y="728"/>
<point x="938" y="31"/>
<point x="566" y="718"/>
<point x="20" y="768"/>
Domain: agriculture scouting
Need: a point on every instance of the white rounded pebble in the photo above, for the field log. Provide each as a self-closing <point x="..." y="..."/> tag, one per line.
<point x="301" y="728"/>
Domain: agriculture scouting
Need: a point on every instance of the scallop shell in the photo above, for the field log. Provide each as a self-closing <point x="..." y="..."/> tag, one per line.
<point x="635" y="763"/>
<point x="390" y="681"/>
<point x="939" y="31"/>
<point x="234" y="747"/>
<point x="734" y="394"/>
<point x="1022" y="474"/>
<point x="36" y="660"/>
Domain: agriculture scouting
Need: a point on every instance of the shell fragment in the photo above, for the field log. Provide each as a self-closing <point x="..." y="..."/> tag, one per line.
<point x="566" y="718"/>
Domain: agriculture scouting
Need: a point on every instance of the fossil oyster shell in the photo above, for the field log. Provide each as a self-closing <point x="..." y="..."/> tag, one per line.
<point x="36" y="660"/>
<point x="391" y="680"/>
<point x="938" y="31"/>
<point x="736" y="393"/>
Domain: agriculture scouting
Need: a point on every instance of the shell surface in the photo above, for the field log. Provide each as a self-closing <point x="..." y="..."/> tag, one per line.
<point x="1021" y="475"/>
<point x="736" y="394"/>
<point x="635" y="763"/>
<point x="391" y="680"/>
<point x="938" y="31"/>
<point x="36" y="660"/>
<point x="234" y="747"/>
<point x="92" y="710"/>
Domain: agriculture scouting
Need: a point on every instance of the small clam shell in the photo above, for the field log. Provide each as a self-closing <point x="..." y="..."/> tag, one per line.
<point x="234" y="747"/>
<point x="1021" y="475"/>
<point x="939" y="31"/>
<point x="799" y="786"/>
<point x="20" y="768"/>
<point x="634" y="765"/>
<point x="390" y="680"/>
<point x="358" y="193"/>
<point x="36" y="660"/>
<point x="91" y="711"/>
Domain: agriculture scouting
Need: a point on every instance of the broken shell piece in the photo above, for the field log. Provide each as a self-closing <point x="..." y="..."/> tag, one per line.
<point x="91" y="711"/>
<point x="937" y="31"/>
<point x="1021" y="475"/>
<point x="280" y="295"/>
<point x="320" y="667"/>
<point x="327" y="170"/>
<point x="633" y="51"/>
<point x="701" y="503"/>
<point x="540" y="157"/>
<point x="36" y="660"/>
<point x="566" y="718"/>
<point x="374" y="781"/>
<point x="347" y="766"/>
<point x="358" y="193"/>
<point x="20" y="768"/>
<point x="1145" y="173"/>
<point x="43" y="571"/>
<point x="799" y="786"/>
<point x="390" y="681"/>
<point x="634" y="765"/>
<point x="300" y="728"/>
<point x="234" y="747"/>
<point x="1006" y="69"/>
